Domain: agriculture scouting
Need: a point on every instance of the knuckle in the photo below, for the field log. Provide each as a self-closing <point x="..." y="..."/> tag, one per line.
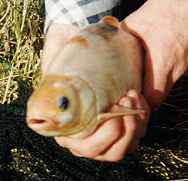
<point x="115" y="158"/>
<point x="114" y="134"/>
<point x="61" y="143"/>
<point x="132" y="127"/>
<point x="125" y="101"/>
<point x="116" y="130"/>
<point x="89" y="152"/>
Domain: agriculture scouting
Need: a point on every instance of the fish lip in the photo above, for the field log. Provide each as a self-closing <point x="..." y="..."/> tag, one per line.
<point x="54" y="130"/>
<point x="34" y="122"/>
<point x="42" y="129"/>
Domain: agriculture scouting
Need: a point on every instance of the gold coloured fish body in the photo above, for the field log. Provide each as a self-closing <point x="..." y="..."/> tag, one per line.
<point x="91" y="73"/>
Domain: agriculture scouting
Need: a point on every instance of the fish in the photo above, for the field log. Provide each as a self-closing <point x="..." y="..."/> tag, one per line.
<point x="95" y="68"/>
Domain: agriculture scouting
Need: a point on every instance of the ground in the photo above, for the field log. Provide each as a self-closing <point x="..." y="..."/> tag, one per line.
<point x="24" y="155"/>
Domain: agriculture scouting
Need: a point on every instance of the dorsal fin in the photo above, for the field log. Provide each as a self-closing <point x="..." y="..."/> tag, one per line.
<point x="110" y="20"/>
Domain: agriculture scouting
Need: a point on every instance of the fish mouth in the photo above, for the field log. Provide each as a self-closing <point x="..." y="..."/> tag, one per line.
<point x="36" y="121"/>
<point x="50" y="127"/>
<point x="44" y="126"/>
<point x="47" y="126"/>
<point x="39" y="122"/>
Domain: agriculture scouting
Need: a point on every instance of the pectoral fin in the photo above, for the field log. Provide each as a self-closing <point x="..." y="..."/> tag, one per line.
<point x="118" y="111"/>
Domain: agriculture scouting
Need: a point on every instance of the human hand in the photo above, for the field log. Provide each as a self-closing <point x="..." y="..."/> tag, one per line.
<point x="56" y="38"/>
<point x="115" y="137"/>
<point x="162" y="26"/>
<point x="123" y="134"/>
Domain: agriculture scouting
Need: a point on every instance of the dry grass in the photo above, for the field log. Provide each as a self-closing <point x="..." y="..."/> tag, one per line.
<point x="20" y="45"/>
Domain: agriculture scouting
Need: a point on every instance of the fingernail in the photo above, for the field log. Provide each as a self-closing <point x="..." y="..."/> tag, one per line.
<point x="126" y="102"/>
<point x="132" y="93"/>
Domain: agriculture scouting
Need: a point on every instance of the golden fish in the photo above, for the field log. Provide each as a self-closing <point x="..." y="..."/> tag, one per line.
<point x="91" y="73"/>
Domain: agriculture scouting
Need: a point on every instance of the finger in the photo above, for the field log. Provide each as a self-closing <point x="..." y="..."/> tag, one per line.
<point x="140" y="103"/>
<point x="128" y="142"/>
<point x="138" y="126"/>
<point x="75" y="154"/>
<point x="158" y="75"/>
<point x="93" y="145"/>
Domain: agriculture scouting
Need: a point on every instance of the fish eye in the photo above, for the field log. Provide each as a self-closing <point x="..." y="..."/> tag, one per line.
<point x="63" y="103"/>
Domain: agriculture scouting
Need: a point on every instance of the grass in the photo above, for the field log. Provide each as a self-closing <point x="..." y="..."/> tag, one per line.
<point x="163" y="154"/>
<point x="20" y="45"/>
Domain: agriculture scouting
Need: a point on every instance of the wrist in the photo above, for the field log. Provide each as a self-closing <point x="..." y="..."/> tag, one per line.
<point x="162" y="26"/>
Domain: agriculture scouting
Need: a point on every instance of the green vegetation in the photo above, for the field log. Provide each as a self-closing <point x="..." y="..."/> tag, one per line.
<point x="24" y="155"/>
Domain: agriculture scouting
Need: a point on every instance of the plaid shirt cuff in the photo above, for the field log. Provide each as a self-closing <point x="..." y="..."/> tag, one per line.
<point x="77" y="12"/>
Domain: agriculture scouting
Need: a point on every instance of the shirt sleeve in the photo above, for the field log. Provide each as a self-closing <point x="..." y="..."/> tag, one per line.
<point x="77" y="12"/>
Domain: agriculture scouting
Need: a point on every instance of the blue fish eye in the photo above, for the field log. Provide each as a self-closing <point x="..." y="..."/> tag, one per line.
<point x="63" y="102"/>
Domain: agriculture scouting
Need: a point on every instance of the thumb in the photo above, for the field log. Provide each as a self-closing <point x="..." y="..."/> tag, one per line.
<point x="159" y="59"/>
<point x="157" y="66"/>
<point x="157" y="80"/>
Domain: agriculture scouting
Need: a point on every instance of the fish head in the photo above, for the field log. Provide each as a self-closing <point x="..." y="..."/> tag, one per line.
<point x="54" y="108"/>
